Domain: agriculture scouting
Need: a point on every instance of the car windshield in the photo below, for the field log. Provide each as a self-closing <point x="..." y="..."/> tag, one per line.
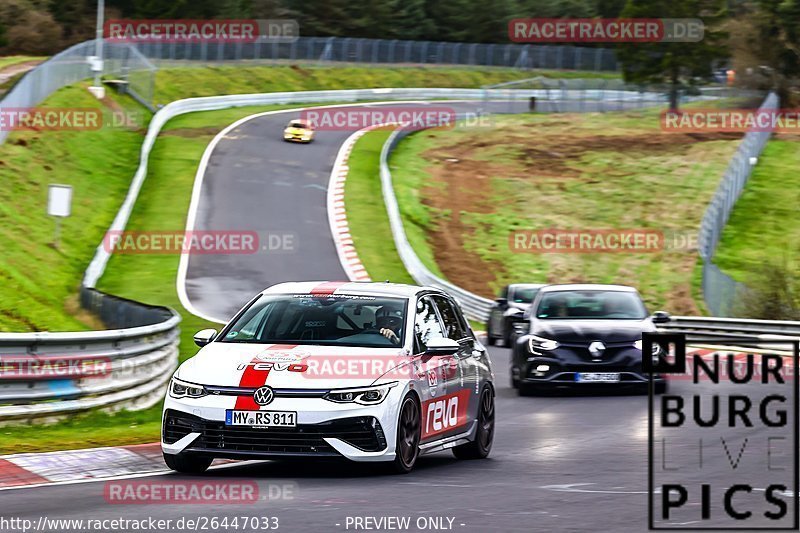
<point x="592" y="305"/>
<point x="297" y="125"/>
<point x="523" y="295"/>
<point x="338" y="320"/>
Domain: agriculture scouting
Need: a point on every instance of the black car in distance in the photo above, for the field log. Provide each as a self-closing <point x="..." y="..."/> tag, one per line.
<point x="581" y="336"/>
<point x="508" y="308"/>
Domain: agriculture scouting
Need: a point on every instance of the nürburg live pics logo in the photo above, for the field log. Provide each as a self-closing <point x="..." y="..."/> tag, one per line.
<point x="723" y="439"/>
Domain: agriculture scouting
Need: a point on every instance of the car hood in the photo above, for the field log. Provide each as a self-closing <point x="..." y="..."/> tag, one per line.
<point x="580" y="331"/>
<point x="287" y="366"/>
<point x="296" y="131"/>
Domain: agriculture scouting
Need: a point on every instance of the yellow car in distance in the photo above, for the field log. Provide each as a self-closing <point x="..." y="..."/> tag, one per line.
<point x="299" y="130"/>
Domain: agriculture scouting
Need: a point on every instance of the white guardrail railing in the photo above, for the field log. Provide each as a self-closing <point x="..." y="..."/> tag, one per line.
<point x="476" y="307"/>
<point x="211" y="103"/>
<point x="47" y="374"/>
<point x="50" y="374"/>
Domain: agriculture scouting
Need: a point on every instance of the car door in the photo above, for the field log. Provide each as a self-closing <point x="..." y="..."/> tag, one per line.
<point x="434" y="374"/>
<point x="462" y="373"/>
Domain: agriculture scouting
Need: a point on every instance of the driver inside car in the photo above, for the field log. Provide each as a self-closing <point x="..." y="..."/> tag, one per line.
<point x="389" y="321"/>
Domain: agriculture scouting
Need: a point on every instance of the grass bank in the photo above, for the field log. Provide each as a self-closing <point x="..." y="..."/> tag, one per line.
<point x="764" y="226"/>
<point x="463" y="193"/>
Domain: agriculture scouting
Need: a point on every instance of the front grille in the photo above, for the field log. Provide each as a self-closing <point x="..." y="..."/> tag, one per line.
<point x="364" y="433"/>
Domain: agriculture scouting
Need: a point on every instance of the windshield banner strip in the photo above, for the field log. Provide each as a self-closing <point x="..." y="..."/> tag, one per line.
<point x="327" y="288"/>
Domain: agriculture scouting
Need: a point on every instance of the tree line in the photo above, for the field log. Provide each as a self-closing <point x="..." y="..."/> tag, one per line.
<point x="757" y="37"/>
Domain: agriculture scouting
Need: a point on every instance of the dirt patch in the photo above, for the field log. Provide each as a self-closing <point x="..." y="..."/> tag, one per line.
<point x="461" y="183"/>
<point x="467" y="187"/>
<point x="554" y="157"/>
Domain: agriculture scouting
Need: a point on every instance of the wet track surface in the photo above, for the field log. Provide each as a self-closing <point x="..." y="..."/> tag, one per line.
<point x="560" y="463"/>
<point x="255" y="181"/>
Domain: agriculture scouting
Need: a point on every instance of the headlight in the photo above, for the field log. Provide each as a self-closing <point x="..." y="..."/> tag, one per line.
<point x="184" y="389"/>
<point x="655" y="350"/>
<point x="363" y="395"/>
<point x="540" y="343"/>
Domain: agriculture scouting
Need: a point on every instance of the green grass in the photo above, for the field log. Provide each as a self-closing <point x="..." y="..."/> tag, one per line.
<point x="764" y="225"/>
<point x="92" y="429"/>
<point x="162" y="205"/>
<point x="174" y="83"/>
<point x="40" y="282"/>
<point x="372" y="235"/>
<point x="559" y="171"/>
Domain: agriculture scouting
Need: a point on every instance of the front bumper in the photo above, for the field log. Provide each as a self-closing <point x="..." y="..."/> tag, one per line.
<point x="297" y="138"/>
<point x="561" y="374"/>
<point x="324" y="429"/>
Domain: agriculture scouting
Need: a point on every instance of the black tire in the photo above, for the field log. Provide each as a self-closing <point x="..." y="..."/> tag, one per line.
<point x="507" y="337"/>
<point x="514" y="381"/>
<point x="408" y="436"/>
<point x="489" y="339"/>
<point x="482" y="445"/>
<point x="187" y="464"/>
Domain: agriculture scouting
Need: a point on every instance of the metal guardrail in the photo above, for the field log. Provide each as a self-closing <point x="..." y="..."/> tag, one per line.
<point x="211" y="103"/>
<point x="49" y="374"/>
<point x="742" y="329"/>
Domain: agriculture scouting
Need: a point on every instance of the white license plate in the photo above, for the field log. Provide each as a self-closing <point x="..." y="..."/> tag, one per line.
<point x="266" y="419"/>
<point x="605" y="377"/>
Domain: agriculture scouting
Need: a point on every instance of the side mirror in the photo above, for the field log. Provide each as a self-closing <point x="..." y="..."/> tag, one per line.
<point x="442" y="346"/>
<point x="204" y="336"/>
<point x="502" y="302"/>
<point x="661" y="317"/>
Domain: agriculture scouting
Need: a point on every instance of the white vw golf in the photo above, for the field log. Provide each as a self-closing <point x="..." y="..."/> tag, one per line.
<point x="366" y="371"/>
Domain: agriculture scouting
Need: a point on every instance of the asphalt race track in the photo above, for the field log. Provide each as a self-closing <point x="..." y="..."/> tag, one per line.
<point x="558" y="464"/>
<point x="255" y="181"/>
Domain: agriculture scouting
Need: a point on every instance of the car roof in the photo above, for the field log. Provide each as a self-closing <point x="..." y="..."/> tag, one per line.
<point x="587" y="287"/>
<point x="362" y="288"/>
<point x="301" y="121"/>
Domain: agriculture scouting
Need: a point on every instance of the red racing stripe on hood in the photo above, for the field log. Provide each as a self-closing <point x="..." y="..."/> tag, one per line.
<point x="251" y="377"/>
<point x="327" y="288"/>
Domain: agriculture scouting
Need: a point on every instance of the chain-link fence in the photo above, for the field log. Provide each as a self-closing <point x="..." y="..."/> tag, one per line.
<point x="384" y="52"/>
<point x="721" y="292"/>
<point x="123" y="61"/>
<point x="559" y="95"/>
